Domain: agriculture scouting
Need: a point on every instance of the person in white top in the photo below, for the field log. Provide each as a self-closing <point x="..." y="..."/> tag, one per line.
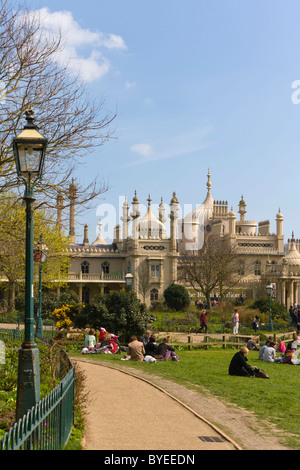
<point x="235" y="321"/>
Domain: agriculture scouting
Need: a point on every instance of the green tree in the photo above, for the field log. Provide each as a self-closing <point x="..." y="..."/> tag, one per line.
<point x="12" y="245"/>
<point x="118" y="312"/>
<point x="176" y="297"/>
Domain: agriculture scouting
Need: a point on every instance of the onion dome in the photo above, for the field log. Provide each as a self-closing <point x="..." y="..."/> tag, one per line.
<point x="150" y="228"/>
<point x="292" y="258"/>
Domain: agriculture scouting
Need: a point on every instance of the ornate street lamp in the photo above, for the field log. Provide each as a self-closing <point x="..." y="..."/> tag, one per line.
<point x="40" y="257"/>
<point x="29" y="152"/>
<point x="269" y="293"/>
<point x="129" y="280"/>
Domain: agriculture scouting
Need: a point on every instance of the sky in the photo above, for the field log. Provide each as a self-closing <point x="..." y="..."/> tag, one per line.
<point x="197" y="84"/>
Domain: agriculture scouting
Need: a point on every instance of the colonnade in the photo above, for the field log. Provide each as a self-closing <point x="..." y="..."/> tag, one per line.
<point x="287" y="292"/>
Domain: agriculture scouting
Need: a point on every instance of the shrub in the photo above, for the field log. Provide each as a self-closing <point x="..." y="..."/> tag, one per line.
<point x="117" y="312"/>
<point x="176" y="297"/>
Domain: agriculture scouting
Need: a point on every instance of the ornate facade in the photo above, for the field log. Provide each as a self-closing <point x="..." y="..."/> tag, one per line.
<point x="141" y="245"/>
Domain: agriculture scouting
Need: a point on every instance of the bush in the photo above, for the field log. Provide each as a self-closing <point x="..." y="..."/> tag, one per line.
<point x="176" y="297"/>
<point x="118" y="312"/>
<point x="278" y="310"/>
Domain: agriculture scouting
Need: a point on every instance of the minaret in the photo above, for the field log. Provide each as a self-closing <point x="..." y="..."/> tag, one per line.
<point x="161" y="216"/>
<point x="161" y="211"/>
<point x="134" y="215"/>
<point x="279" y="231"/>
<point x="242" y="209"/>
<point x="86" y="235"/>
<point x="59" y="207"/>
<point x="125" y="219"/>
<point x="173" y="238"/>
<point x="72" y="197"/>
<point x="232" y="219"/>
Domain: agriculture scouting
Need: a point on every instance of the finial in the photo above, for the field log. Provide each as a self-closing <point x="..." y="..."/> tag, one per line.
<point x="208" y="184"/>
<point x="149" y="200"/>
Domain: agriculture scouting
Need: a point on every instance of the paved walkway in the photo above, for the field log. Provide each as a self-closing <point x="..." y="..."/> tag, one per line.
<point x="128" y="413"/>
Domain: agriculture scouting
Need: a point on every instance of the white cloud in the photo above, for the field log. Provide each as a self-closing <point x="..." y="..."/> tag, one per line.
<point x="130" y="84"/>
<point x="84" y="50"/>
<point x="182" y="145"/>
<point x="142" y="149"/>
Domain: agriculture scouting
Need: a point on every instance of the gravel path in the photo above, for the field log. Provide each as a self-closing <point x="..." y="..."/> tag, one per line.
<point x="127" y="413"/>
<point x="131" y="403"/>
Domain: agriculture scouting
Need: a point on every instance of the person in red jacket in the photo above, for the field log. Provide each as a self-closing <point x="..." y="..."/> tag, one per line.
<point x="203" y="322"/>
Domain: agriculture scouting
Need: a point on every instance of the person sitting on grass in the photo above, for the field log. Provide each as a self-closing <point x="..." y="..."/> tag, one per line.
<point x="165" y="351"/>
<point x="151" y="347"/>
<point x="270" y="353"/>
<point x="262" y="350"/>
<point x="290" y="356"/>
<point x="135" y="350"/>
<point x="238" y="365"/>
<point x="90" y="339"/>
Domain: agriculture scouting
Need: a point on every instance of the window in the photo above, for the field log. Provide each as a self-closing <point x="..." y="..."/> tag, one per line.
<point x="105" y="267"/>
<point x="241" y="268"/>
<point x="257" y="268"/>
<point x="273" y="267"/>
<point x="154" y="294"/>
<point x="85" y="267"/>
<point x="85" y="298"/>
<point x="155" y="270"/>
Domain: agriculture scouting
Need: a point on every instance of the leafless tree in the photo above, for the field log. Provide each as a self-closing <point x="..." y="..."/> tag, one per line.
<point x="32" y="77"/>
<point x="215" y="266"/>
<point x="144" y="279"/>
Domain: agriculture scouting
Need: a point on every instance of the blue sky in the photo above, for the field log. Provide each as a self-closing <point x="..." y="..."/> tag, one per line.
<point x="197" y="84"/>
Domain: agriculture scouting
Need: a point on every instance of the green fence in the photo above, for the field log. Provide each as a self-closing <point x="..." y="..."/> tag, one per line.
<point x="48" y="425"/>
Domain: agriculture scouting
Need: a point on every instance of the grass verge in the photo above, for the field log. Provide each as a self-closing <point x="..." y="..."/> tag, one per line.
<point x="270" y="400"/>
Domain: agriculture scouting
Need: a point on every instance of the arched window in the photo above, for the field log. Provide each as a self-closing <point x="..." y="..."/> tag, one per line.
<point x="105" y="267"/>
<point x="273" y="267"/>
<point x="85" y="267"/>
<point x="154" y="294"/>
<point x="257" y="268"/>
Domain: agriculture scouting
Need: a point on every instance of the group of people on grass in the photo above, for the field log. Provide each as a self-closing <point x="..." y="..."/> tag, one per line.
<point x="148" y="350"/>
<point x="269" y="352"/>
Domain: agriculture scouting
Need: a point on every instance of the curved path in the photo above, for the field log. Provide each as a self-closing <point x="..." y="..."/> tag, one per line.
<point x="131" y="413"/>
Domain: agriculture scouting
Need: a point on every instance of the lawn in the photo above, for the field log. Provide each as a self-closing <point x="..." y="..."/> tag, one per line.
<point x="275" y="400"/>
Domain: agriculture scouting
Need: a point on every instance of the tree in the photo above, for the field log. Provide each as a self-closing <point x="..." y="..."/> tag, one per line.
<point x="32" y="77"/>
<point x="176" y="297"/>
<point x="215" y="266"/>
<point x="12" y="246"/>
<point x="144" y="279"/>
<point x="119" y="312"/>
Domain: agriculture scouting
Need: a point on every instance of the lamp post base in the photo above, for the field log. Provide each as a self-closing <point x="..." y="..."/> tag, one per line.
<point x="28" y="393"/>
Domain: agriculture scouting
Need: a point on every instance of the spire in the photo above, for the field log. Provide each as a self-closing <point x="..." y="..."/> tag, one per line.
<point x="161" y="212"/>
<point x="135" y="207"/>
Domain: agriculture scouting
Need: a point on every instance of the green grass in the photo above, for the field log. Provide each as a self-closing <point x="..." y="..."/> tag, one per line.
<point x="275" y="400"/>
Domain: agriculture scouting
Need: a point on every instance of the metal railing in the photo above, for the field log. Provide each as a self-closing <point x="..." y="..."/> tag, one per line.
<point x="48" y="425"/>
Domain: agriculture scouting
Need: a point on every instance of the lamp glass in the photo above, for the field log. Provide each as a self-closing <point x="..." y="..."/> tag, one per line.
<point x="269" y="289"/>
<point x="129" y="279"/>
<point x="30" y="158"/>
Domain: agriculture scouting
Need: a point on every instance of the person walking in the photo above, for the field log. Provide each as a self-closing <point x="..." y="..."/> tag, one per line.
<point x="203" y="322"/>
<point x="235" y="321"/>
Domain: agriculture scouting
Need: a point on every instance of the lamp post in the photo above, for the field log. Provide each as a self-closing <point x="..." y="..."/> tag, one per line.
<point x="129" y="280"/>
<point x="40" y="257"/>
<point x="269" y="292"/>
<point x="29" y="151"/>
